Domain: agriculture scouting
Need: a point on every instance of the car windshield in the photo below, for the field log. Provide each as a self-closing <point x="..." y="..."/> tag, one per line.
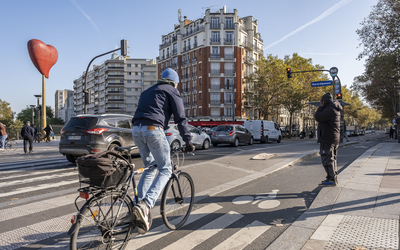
<point x="81" y="123"/>
<point x="224" y="128"/>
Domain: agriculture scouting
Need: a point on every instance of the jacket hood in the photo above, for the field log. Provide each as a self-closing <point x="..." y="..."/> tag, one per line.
<point x="335" y="104"/>
<point x="166" y="81"/>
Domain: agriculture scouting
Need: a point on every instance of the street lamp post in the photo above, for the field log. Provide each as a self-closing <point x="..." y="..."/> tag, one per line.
<point x="33" y="114"/>
<point x="38" y="97"/>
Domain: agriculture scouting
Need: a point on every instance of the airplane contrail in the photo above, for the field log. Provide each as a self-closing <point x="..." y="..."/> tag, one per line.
<point x="319" y="18"/>
<point x="86" y="15"/>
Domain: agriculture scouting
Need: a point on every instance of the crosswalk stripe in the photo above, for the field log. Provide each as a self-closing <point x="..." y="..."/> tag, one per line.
<point x="38" y="187"/>
<point x="243" y="237"/>
<point x="197" y="237"/>
<point x="41" y="178"/>
<point x="31" y="174"/>
<point x="27" y="168"/>
<point x="161" y="231"/>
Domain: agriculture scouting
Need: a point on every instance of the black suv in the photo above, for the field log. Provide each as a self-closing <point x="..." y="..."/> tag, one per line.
<point x="88" y="134"/>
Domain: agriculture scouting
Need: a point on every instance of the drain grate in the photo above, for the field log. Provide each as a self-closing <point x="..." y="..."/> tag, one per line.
<point x="366" y="232"/>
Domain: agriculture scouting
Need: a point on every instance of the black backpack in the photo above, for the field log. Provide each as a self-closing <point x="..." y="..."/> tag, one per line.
<point x="101" y="171"/>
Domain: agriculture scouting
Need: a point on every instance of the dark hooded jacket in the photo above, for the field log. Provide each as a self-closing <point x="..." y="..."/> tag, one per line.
<point x="328" y="118"/>
<point x="156" y="106"/>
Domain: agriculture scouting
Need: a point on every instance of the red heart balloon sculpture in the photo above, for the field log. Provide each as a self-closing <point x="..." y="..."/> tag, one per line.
<point x="42" y="55"/>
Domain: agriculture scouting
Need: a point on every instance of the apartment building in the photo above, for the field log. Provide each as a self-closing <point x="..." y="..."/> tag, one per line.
<point x="115" y="85"/>
<point x="60" y="102"/>
<point x="213" y="55"/>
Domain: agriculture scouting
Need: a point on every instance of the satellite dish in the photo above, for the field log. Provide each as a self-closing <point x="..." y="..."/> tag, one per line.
<point x="179" y="15"/>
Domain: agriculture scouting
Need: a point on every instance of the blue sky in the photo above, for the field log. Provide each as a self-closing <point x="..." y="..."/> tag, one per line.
<point x="324" y="31"/>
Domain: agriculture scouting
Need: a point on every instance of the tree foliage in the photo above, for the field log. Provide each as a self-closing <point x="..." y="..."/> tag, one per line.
<point x="6" y="113"/>
<point x="26" y="115"/>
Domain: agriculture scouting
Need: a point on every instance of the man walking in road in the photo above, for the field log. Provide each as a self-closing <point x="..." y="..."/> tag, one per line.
<point x="328" y="117"/>
<point x="28" y="133"/>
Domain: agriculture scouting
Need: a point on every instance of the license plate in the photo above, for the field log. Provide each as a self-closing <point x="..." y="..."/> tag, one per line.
<point x="74" y="137"/>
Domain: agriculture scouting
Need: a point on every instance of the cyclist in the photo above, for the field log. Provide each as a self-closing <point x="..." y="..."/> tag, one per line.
<point x="156" y="106"/>
<point x="3" y="136"/>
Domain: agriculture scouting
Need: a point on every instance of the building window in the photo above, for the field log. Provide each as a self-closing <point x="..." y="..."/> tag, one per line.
<point x="229" y="23"/>
<point x="129" y="65"/>
<point x="129" y="81"/>
<point x="199" y="96"/>
<point x="136" y="73"/>
<point x="214" y="22"/>
<point x="129" y="73"/>
<point x="136" y="65"/>
<point x="129" y="89"/>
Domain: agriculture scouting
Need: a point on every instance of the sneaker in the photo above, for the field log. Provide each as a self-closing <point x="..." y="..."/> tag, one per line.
<point x="31" y="151"/>
<point x="329" y="183"/>
<point x="142" y="213"/>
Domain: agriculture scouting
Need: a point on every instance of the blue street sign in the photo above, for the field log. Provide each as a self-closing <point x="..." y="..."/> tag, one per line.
<point x="321" y="83"/>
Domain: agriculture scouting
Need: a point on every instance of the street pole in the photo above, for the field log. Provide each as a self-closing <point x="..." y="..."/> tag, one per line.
<point x="43" y="120"/>
<point x="33" y="114"/>
<point x="38" y="97"/>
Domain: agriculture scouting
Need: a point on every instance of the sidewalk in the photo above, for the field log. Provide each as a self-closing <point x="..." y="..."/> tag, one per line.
<point x="361" y="213"/>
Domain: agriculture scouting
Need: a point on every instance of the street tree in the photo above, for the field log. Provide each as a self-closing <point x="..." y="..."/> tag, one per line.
<point x="264" y="88"/>
<point x="6" y="115"/>
<point x="26" y="115"/>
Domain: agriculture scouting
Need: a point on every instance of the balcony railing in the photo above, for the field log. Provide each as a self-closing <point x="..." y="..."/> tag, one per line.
<point x="229" y="56"/>
<point x="194" y="60"/>
<point x="165" y="44"/>
<point x="249" y="59"/>
<point x="174" y="51"/>
<point x="194" y="30"/>
<point x="215" y="40"/>
<point x="229" y="26"/>
<point x="229" y="72"/>
<point x="194" y="74"/>
<point x="215" y="72"/>
<point x="228" y="41"/>
<point x="194" y="103"/>
<point x="229" y="101"/>
<point x="215" y="56"/>
<point x="195" y="44"/>
<point x="186" y="104"/>
<point x="215" y="102"/>
<point x="185" y="62"/>
<point x="230" y="87"/>
<point x="215" y="86"/>
<point x="215" y="26"/>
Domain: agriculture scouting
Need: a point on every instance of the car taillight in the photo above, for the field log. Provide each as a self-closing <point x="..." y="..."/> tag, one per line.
<point x="214" y="133"/>
<point x="232" y="133"/>
<point x="96" y="131"/>
<point x="62" y="131"/>
<point x="168" y="134"/>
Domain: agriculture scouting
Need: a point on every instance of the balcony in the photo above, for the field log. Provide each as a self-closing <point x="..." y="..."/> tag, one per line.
<point x="113" y="109"/>
<point x="174" y="51"/>
<point x="186" y="104"/>
<point x="115" y="100"/>
<point x="194" y="31"/>
<point x="114" y="84"/>
<point x="215" y="102"/>
<point x="215" y="26"/>
<point x="112" y="68"/>
<point x="195" y="45"/>
<point x="228" y="88"/>
<point x="229" y="72"/>
<point x="247" y="45"/>
<point x="215" y="87"/>
<point x="229" y="26"/>
<point x="114" y="92"/>
<point x="194" y="74"/>
<point x="114" y="76"/>
<point x="185" y="63"/>
<point x="194" y="88"/>
<point x="174" y="38"/>
<point x="215" y="72"/>
<point x="194" y="60"/>
<point x="228" y="41"/>
<point x="249" y="60"/>
<point x="229" y="57"/>
<point x="215" y="56"/>
<point x="165" y="44"/>
<point x="215" y="40"/>
<point x="228" y="102"/>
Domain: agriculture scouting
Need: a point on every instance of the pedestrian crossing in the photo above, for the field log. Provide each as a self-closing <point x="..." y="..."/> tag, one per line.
<point x="38" y="221"/>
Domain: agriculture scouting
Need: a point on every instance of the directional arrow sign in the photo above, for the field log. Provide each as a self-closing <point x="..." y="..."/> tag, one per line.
<point x="321" y="83"/>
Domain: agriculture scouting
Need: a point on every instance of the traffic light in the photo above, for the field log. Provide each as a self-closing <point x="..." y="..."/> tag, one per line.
<point x="338" y="96"/>
<point x="289" y="72"/>
<point x="88" y="96"/>
<point x="124" y="47"/>
<point x="39" y="107"/>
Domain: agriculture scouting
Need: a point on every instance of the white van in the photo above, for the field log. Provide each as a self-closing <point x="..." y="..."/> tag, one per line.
<point x="264" y="131"/>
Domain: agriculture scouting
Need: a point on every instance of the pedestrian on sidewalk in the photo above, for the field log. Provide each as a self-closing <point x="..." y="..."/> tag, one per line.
<point x="345" y="131"/>
<point x="328" y="118"/>
<point x="48" y="130"/>
<point x="391" y="132"/>
<point x="3" y="136"/>
<point x="28" y="133"/>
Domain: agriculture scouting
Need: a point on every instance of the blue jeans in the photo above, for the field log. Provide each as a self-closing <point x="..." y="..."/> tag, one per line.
<point x="154" y="149"/>
<point x="2" y="140"/>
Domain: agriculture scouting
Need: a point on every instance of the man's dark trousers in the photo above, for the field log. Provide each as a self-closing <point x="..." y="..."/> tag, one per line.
<point x="328" y="154"/>
<point x="26" y="139"/>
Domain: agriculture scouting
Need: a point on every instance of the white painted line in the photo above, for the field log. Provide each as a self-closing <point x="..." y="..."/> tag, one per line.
<point x="200" y="235"/>
<point x="41" y="178"/>
<point x="161" y="231"/>
<point x="243" y="237"/>
<point x="39" y="187"/>
<point x="32" y="173"/>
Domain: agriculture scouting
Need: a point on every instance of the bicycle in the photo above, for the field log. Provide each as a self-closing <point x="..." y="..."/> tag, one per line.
<point x="107" y="219"/>
<point x="10" y="144"/>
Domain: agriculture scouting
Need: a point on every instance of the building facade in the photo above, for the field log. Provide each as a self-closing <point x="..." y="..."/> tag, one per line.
<point x="213" y="56"/>
<point x="115" y="85"/>
<point x="60" y="103"/>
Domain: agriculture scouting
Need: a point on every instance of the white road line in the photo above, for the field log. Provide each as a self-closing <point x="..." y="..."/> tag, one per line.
<point x="41" y="178"/>
<point x="32" y="173"/>
<point x="28" y="168"/>
<point x="200" y="235"/>
<point x="38" y="187"/>
<point x="161" y="231"/>
<point x="243" y="237"/>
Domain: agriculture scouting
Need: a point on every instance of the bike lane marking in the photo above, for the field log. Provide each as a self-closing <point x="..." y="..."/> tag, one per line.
<point x="265" y="202"/>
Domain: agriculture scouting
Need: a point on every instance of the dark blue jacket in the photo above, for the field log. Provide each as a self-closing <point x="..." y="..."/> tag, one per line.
<point x="27" y="131"/>
<point x="156" y="106"/>
<point x="328" y="118"/>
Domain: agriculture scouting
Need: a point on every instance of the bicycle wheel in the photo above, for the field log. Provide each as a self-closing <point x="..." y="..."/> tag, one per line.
<point x="96" y="231"/>
<point x="12" y="145"/>
<point x="175" y="209"/>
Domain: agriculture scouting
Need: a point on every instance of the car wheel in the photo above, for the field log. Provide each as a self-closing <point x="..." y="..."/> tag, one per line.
<point x="236" y="143"/>
<point x="71" y="158"/>
<point x="279" y="140"/>
<point x="175" y="145"/>
<point x="206" y="144"/>
<point x="251" y="141"/>
<point x="111" y="148"/>
<point x="215" y="144"/>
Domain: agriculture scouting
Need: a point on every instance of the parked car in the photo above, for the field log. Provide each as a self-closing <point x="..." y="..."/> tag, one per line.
<point x="351" y="133"/>
<point x="88" y="134"/>
<point x="232" y="134"/>
<point x="199" y="138"/>
<point x="208" y="131"/>
<point x="264" y="131"/>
